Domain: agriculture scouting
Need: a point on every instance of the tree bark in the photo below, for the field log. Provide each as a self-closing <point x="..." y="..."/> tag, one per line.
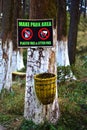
<point x="1" y="66"/>
<point x="62" y="57"/>
<point x="61" y="20"/>
<point x="7" y="44"/>
<point x="24" y="5"/>
<point x="17" y="60"/>
<point x="36" y="7"/>
<point x="62" y="46"/>
<point x="39" y="60"/>
<point x="16" y="14"/>
<point x="8" y="25"/>
<point x="7" y="67"/>
<point x="17" y="54"/>
<point x="73" y="29"/>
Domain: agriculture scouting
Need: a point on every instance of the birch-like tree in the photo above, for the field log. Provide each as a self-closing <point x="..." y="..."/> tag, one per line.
<point x="62" y="57"/>
<point x="7" y="43"/>
<point x="17" y="54"/>
<point x="62" y="46"/>
<point x="10" y="14"/>
<point x="39" y="60"/>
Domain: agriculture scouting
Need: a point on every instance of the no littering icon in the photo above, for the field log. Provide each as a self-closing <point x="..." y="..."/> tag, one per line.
<point x="44" y="34"/>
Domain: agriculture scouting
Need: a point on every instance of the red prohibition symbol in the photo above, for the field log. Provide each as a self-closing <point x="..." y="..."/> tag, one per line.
<point x="27" y="33"/>
<point x="43" y="34"/>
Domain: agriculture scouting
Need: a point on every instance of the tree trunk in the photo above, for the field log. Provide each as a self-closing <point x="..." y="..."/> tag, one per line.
<point x="16" y="14"/>
<point x="62" y="58"/>
<point x="17" y="54"/>
<point x="37" y="9"/>
<point x="11" y="11"/>
<point x="73" y="28"/>
<point x="7" y="44"/>
<point x="62" y="21"/>
<point x="7" y="61"/>
<point x="40" y="60"/>
<point x="17" y="60"/>
<point x="1" y="66"/>
<point x="24" y="5"/>
<point x="62" y="46"/>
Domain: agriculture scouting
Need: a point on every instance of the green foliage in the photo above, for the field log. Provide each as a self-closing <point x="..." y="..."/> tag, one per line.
<point x="73" y="105"/>
<point x="74" y="91"/>
<point x="13" y="102"/>
<point x="84" y="58"/>
<point x="30" y="125"/>
<point x="82" y="24"/>
<point x="72" y="102"/>
<point x="79" y="69"/>
<point x="63" y="73"/>
<point x="82" y="36"/>
<point x="4" y="118"/>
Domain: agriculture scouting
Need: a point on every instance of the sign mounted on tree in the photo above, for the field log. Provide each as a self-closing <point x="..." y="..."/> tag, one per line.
<point x="34" y="32"/>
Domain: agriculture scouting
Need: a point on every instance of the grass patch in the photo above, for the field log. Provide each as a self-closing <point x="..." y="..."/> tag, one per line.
<point x="12" y="107"/>
<point x="13" y="102"/>
<point x="73" y="105"/>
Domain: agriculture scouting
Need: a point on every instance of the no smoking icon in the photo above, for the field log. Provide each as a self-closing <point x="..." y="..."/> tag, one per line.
<point x="27" y="33"/>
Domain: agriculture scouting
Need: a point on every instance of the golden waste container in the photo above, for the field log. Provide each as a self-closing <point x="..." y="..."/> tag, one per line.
<point x="45" y="87"/>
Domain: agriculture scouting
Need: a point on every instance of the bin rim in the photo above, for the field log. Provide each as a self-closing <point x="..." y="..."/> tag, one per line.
<point x="44" y="79"/>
